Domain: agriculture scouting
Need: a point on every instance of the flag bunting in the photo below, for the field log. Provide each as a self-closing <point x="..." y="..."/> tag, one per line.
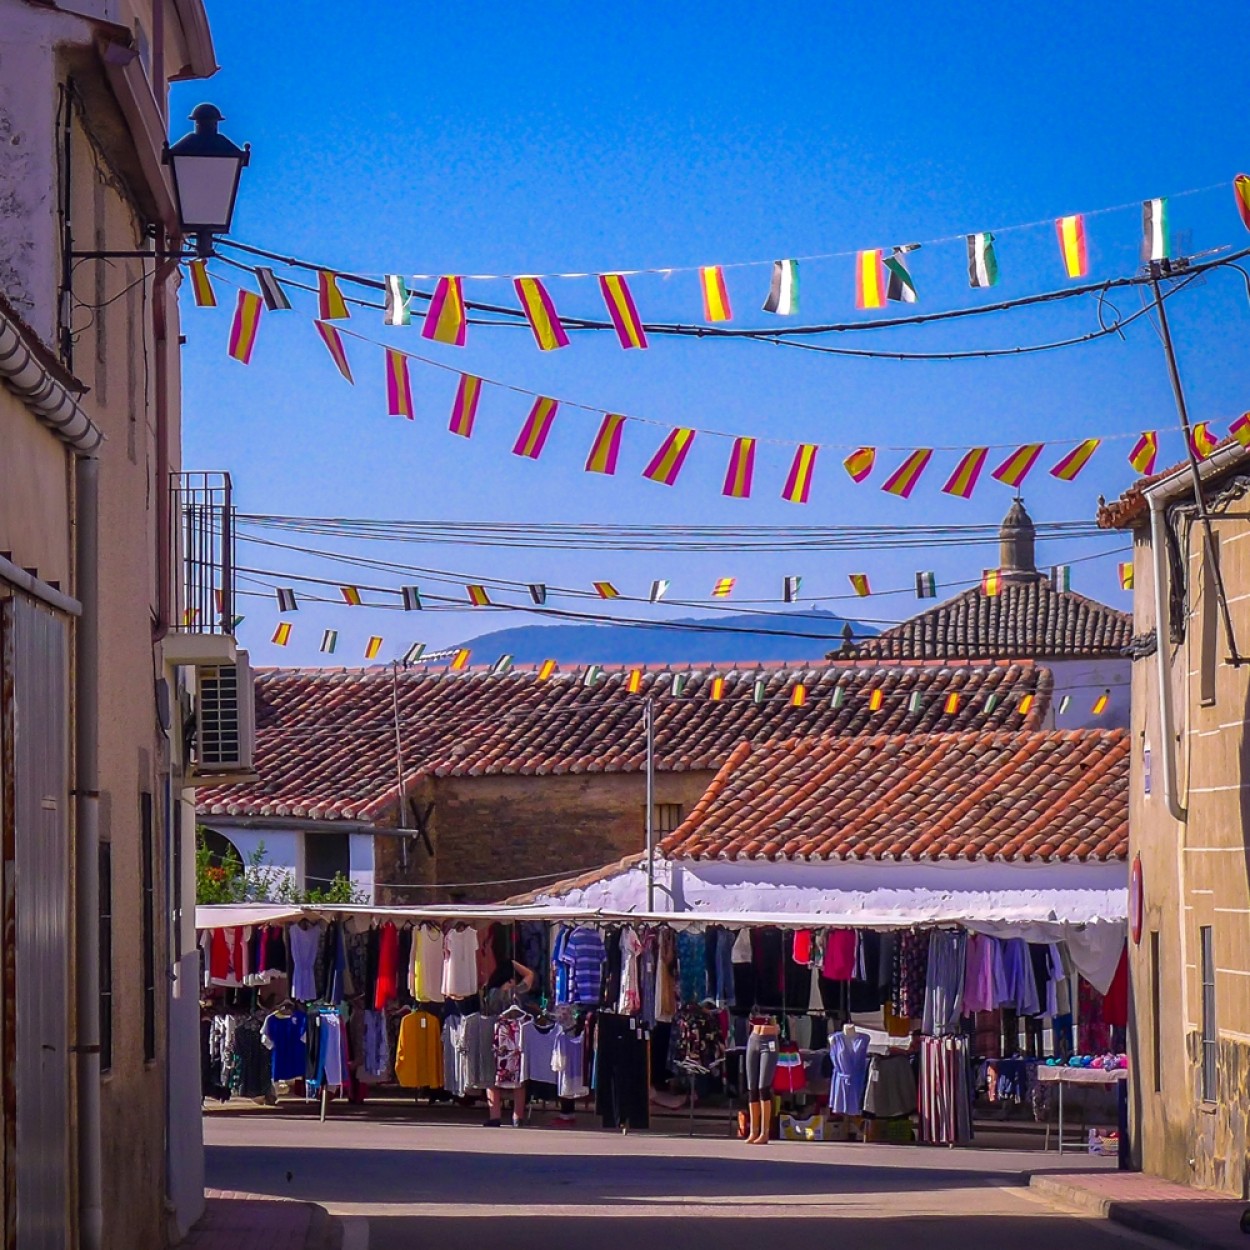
<point x="859" y="584"/>
<point x="478" y="596"/>
<point x="783" y="291"/>
<point x="926" y="585"/>
<point x="991" y="583"/>
<point x="1202" y="440"/>
<point x="900" y="288"/>
<point x="1071" y="232"/>
<point x="620" y="303"/>
<point x="540" y="312"/>
<point x="446" y="320"/>
<point x="963" y="481"/>
<point x="351" y="596"/>
<point x="329" y="641"/>
<point x="286" y="600"/>
<point x="412" y="598"/>
<point x="464" y="408"/>
<point x="859" y="463"/>
<point x="605" y="590"/>
<point x="245" y="325"/>
<point x="715" y="294"/>
<point x="1126" y="575"/>
<point x="666" y="463"/>
<point x="331" y="306"/>
<point x="202" y="285"/>
<point x="533" y="436"/>
<point x="798" y="485"/>
<point x="607" y="446"/>
<point x="903" y="480"/>
<point x="1015" y="468"/>
<point x="460" y="661"/>
<point x="372" y="647"/>
<point x="1145" y="452"/>
<point x="398" y="385"/>
<point x="398" y="310"/>
<point x="271" y="290"/>
<point x="741" y="469"/>
<point x="724" y="587"/>
<point x="982" y="261"/>
<point x="1067" y="468"/>
<point x="414" y="653"/>
<point x="334" y="345"/>
<point x="282" y="635"/>
<point x="869" y="286"/>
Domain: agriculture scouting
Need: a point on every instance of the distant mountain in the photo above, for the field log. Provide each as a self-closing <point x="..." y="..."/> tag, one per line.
<point x="715" y="641"/>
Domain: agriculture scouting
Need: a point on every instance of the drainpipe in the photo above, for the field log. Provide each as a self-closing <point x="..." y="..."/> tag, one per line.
<point x="1167" y="726"/>
<point x="87" y="859"/>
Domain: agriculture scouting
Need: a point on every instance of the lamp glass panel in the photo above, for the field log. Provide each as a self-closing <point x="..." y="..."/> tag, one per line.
<point x="206" y="186"/>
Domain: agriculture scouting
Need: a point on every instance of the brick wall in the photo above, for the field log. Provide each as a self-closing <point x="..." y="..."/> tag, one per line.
<point x="493" y="828"/>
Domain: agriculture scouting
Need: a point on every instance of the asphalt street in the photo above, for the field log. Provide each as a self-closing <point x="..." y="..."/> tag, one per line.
<point x="399" y="1184"/>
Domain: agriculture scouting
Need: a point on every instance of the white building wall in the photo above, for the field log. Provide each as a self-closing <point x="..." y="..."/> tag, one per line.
<point x="360" y="848"/>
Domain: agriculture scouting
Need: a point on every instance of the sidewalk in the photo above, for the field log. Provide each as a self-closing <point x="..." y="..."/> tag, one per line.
<point x="243" y="1222"/>
<point x="1193" y="1218"/>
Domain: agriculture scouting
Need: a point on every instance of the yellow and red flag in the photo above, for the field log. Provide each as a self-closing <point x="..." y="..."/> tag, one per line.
<point x="951" y="706"/>
<point x="372" y="647"/>
<point x="1240" y="429"/>
<point x="533" y="436"/>
<point x="1241" y="192"/>
<point x="859" y="463"/>
<point x="1015" y="468"/>
<point x="331" y="306"/>
<point x="903" y="480"/>
<point x="666" y="463"/>
<point x="1203" y="441"/>
<point x="724" y="587"/>
<point x="859" y="583"/>
<point x="605" y="590"/>
<point x="741" y="469"/>
<point x="546" y="668"/>
<point x="1126" y="575"/>
<point x="1026" y="704"/>
<point x="464" y="408"/>
<point x="201" y="285"/>
<point x="1100" y="703"/>
<point x="1071" y="233"/>
<point x="478" y="596"/>
<point x="607" y="445"/>
<point x="798" y="487"/>
<point x="334" y="345"/>
<point x="1145" y="452"/>
<point x="460" y="661"/>
<point x="633" y="683"/>
<point x="540" y="312"/>
<point x="398" y="385"/>
<point x="446" y="320"/>
<point x="351" y="595"/>
<point x="798" y="696"/>
<point x="282" y="635"/>
<point x="715" y="294"/>
<point x="620" y="304"/>
<point x="991" y="583"/>
<point x="1067" y="468"/>
<point x="869" y="279"/>
<point x="717" y="691"/>
<point x="876" y="699"/>
<point x="963" y="481"/>
<point x="243" y="328"/>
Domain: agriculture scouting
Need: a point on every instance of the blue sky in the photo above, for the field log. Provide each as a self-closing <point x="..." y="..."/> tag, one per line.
<point x="489" y="138"/>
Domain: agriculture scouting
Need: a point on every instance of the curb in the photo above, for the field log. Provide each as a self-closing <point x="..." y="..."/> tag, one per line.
<point x="1127" y="1214"/>
<point x="325" y="1231"/>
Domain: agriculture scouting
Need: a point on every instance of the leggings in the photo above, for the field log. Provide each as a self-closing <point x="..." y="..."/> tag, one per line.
<point x="761" y="1065"/>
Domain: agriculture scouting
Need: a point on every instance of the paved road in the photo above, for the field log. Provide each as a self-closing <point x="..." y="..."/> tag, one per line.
<point x="445" y="1186"/>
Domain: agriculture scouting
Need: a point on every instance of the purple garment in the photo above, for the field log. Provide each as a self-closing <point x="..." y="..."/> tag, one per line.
<point x="984" y="983"/>
<point x="849" y="1056"/>
<point x="1021" y="986"/>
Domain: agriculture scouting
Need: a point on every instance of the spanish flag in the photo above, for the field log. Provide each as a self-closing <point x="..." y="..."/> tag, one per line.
<point x="869" y="280"/>
<point x="1067" y="468"/>
<point x="633" y="683"/>
<point x="545" y="669"/>
<point x="1145" y="452"/>
<point x="798" y="487"/>
<point x="1240" y="429"/>
<point x="620" y="304"/>
<point x="991" y="583"/>
<point x="724" y="588"/>
<point x="460" y="661"/>
<point x="963" y="481"/>
<point x="1026" y="704"/>
<point x="351" y="595"/>
<point x="798" y="696"/>
<point x="666" y="463"/>
<point x="533" y="436"/>
<point x="859" y="583"/>
<point x="1204" y="442"/>
<point x="372" y="647"/>
<point x="1126" y="575"/>
<point x="201" y="285"/>
<point x="951" y="706"/>
<point x="464" y="408"/>
<point x="478" y="596"/>
<point x="446" y="320"/>
<point x="398" y="385"/>
<point x="331" y="306"/>
<point x="1015" y="468"/>
<point x="540" y="312"/>
<point x="605" y="590"/>
<point x="716" y="692"/>
<point x="334" y="345"/>
<point x="1100" y="703"/>
<point x="607" y="446"/>
<point x="1071" y="232"/>
<point x="876" y="699"/>
<point x="859" y="463"/>
<point x="715" y="295"/>
<point x="903" y="480"/>
<point x="1241" y="193"/>
<point x="741" y="469"/>
<point x="244" y="326"/>
<point x="282" y="635"/>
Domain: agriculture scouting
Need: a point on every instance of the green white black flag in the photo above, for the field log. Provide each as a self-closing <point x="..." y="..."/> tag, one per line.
<point x="900" y="288"/>
<point x="1155" y="241"/>
<point x="398" y="301"/>
<point x="982" y="262"/>
<point x="926" y="586"/>
<point x="783" y="292"/>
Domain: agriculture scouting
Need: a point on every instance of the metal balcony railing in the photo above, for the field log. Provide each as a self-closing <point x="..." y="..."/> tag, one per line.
<point x="204" y="512"/>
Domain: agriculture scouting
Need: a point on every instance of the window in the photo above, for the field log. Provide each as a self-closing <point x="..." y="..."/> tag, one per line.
<point x="326" y="855"/>
<point x="147" y="933"/>
<point x="667" y="817"/>
<point x="1210" y="608"/>
<point x="106" y="956"/>
<point x="1156" y="1008"/>
<point x="1208" y="1014"/>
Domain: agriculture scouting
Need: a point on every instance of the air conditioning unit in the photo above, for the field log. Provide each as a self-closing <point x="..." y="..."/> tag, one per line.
<point x="225" y="722"/>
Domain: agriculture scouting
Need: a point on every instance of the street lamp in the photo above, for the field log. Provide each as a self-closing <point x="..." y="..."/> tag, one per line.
<point x="206" y="169"/>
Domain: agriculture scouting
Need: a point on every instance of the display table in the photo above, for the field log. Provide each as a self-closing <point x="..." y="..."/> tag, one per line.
<point x="1077" y="1076"/>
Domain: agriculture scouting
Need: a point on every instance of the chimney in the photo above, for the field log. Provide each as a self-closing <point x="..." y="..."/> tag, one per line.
<point x="1016" y="538"/>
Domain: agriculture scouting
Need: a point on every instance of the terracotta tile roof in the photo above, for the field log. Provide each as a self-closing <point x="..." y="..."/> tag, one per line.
<point x="1005" y="796"/>
<point x="325" y="746"/>
<point x="1029" y="618"/>
<point x="1131" y="509"/>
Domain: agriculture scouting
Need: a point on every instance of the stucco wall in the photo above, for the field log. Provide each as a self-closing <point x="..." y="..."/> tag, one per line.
<point x="1196" y="873"/>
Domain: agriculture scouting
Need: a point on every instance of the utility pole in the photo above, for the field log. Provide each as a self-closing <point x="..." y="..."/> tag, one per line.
<point x="1166" y="269"/>
<point x="648" y="723"/>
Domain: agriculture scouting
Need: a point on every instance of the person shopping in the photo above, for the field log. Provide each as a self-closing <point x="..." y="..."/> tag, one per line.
<point x="510" y="985"/>
<point x="761" y="1067"/>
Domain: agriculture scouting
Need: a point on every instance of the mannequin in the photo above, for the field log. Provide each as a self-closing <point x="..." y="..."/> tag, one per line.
<point x="848" y="1052"/>
<point x="761" y="1066"/>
